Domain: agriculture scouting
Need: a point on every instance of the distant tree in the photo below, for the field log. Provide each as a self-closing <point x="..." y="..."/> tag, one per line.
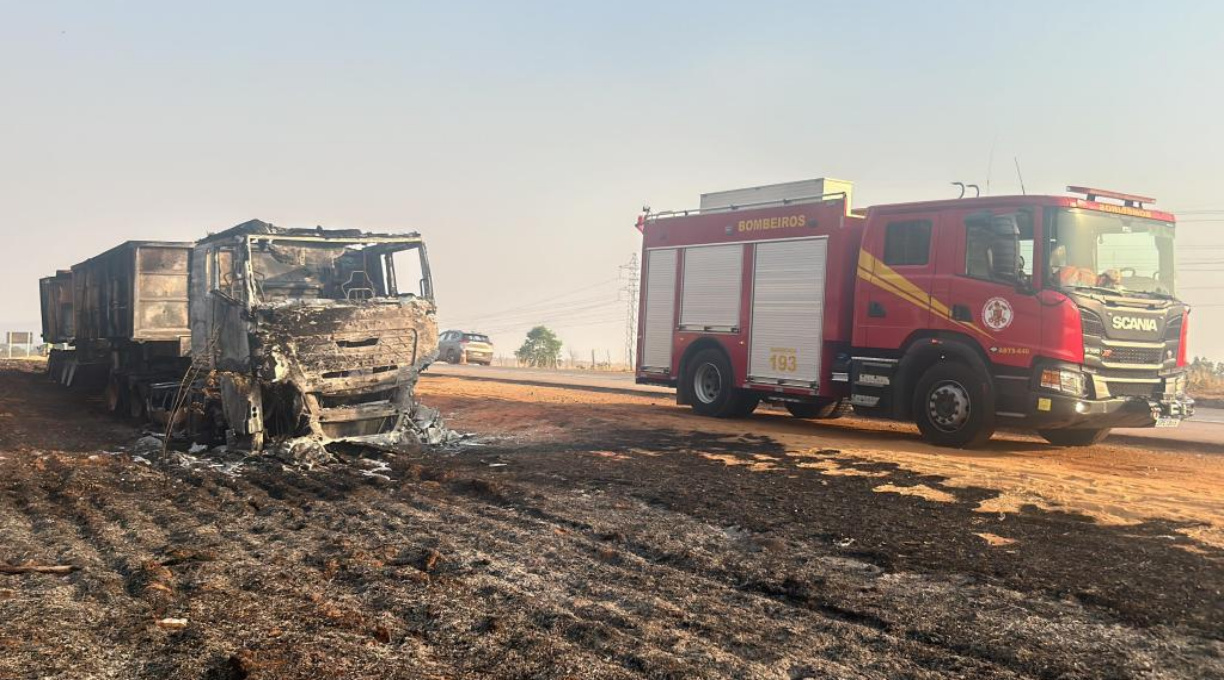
<point x="541" y="348"/>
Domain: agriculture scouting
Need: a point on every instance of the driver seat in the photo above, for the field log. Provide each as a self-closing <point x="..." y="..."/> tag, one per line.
<point x="358" y="287"/>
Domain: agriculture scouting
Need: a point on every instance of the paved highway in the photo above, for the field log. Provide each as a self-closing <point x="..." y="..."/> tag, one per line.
<point x="1203" y="428"/>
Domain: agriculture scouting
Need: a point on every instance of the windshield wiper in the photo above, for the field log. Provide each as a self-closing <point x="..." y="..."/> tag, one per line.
<point x="1098" y="289"/>
<point x="1125" y="291"/>
<point x="1154" y="293"/>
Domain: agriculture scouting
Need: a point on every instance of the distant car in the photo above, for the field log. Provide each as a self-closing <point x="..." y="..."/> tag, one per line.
<point x="460" y="347"/>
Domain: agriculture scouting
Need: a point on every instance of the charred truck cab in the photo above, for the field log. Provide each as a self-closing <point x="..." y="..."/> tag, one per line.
<point x="1055" y="313"/>
<point x="310" y="332"/>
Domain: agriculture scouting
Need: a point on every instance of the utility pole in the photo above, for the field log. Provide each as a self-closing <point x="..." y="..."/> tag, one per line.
<point x="630" y="272"/>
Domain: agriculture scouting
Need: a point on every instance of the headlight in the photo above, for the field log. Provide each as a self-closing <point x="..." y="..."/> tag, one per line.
<point x="1061" y="380"/>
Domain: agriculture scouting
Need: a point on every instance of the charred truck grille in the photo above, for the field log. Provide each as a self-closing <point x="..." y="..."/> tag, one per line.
<point x="354" y="365"/>
<point x="359" y="424"/>
<point x="360" y="396"/>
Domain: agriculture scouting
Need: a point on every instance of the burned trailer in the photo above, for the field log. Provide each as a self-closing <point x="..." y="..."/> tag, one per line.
<point x="309" y="333"/>
<point x="55" y="303"/>
<point x="130" y="322"/>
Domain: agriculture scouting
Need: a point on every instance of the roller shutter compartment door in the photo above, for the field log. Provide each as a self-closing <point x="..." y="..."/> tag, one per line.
<point x="713" y="281"/>
<point x="787" y="312"/>
<point x="660" y="310"/>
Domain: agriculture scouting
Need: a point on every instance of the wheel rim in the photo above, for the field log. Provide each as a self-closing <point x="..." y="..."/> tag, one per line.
<point x="948" y="406"/>
<point x="707" y="383"/>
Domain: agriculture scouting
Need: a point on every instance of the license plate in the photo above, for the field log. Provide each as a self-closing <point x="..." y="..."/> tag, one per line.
<point x="1168" y="421"/>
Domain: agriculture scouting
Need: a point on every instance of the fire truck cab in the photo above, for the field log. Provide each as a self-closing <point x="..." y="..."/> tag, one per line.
<point x="1056" y="313"/>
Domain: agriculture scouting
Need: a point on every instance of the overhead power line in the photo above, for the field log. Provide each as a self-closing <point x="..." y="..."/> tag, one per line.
<point x="538" y="303"/>
<point x="602" y="300"/>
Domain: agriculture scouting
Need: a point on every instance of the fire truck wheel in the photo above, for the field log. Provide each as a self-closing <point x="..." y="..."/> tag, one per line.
<point x="747" y="404"/>
<point x="712" y="386"/>
<point x="1074" y="437"/>
<point x="819" y="411"/>
<point x="953" y="406"/>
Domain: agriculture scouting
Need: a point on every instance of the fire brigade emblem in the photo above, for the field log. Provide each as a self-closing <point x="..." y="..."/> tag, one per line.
<point x="997" y="313"/>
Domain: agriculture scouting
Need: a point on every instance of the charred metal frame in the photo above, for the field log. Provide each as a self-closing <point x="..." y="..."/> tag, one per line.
<point x="322" y="367"/>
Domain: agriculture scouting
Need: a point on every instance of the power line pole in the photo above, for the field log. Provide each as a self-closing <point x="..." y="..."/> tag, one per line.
<point x="630" y="273"/>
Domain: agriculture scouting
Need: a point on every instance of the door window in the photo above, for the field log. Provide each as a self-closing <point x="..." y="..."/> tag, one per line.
<point x="225" y="276"/>
<point x="409" y="267"/>
<point x="1000" y="247"/>
<point x="907" y="243"/>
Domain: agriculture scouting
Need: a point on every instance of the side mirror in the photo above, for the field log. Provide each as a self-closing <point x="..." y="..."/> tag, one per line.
<point x="1024" y="283"/>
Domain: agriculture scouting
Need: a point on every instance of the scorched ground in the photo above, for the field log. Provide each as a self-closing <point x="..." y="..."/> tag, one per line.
<point x="602" y="536"/>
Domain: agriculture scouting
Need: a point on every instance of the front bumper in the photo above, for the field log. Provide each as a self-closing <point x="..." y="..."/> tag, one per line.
<point x="1056" y="411"/>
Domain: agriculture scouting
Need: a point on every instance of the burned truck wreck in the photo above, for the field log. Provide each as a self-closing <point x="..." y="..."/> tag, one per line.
<point x="254" y="335"/>
<point x="310" y="334"/>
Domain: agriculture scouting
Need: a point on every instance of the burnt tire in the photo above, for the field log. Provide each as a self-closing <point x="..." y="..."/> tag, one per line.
<point x="710" y="383"/>
<point x="53" y="364"/>
<point x="818" y="411"/>
<point x="115" y="396"/>
<point x="138" y="404"/>
<point x="954" y="406"/>
<point x="1075" y="437"/>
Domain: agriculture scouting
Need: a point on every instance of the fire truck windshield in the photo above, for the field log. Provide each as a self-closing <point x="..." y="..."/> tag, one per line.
<point x="1116" y="253"/>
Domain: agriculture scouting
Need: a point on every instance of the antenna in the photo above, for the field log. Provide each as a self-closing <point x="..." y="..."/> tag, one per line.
<point x="1020" y="175"/>
<point x="990" y="163"/>
<point x="962" y="188"/>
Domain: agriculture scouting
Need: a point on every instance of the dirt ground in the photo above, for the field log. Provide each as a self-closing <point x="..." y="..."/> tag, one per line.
<point x="595" y="535"/>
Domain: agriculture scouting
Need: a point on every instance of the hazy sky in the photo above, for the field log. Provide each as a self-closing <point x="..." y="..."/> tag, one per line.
<point x="522" y="138"/>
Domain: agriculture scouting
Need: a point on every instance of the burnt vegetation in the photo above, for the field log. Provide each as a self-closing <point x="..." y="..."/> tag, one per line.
<point x="635" y="553"/>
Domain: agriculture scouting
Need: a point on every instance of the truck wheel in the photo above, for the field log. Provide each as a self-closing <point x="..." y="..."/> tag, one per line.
<point x="954" y="406"/>
<point x="711" y="384"/>
<point x="818" y="411"/>
<point x="115" y="395"/>
<point x="1070" y="437"/>
<point x="137" y="405"/>
<point x="748" y="402"/>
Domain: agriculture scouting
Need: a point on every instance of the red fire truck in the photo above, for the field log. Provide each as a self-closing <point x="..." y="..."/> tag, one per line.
<point x="1055" y="313"/>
